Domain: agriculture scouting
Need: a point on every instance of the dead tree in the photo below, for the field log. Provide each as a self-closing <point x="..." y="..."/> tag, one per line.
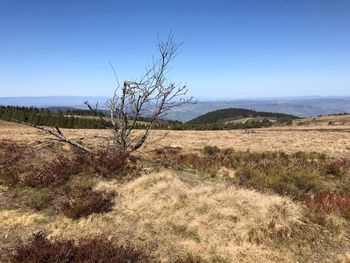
<point x="151" y="96"/>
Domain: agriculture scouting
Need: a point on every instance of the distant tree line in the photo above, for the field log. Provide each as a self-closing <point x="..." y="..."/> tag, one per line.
<point x="47" y="118"/>
<point x="82" y="119"/>
<point x="68" y="118"/>
<point x="335" y="114"/>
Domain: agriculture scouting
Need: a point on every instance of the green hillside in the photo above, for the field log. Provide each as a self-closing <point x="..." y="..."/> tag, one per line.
<point x="226" y="115"/>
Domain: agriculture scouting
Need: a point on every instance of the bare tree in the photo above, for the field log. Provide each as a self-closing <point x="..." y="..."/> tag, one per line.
<point x="151" y="96"/>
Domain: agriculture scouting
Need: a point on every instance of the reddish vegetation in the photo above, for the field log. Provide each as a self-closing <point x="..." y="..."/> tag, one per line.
<point x="106" y="163"/>
<point x="330" y="202"/>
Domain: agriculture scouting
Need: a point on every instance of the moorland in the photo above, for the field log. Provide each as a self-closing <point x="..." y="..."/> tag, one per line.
<point x="277" y="194"/>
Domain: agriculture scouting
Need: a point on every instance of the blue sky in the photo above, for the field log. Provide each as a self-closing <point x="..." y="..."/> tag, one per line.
<point x="232" y="49"/>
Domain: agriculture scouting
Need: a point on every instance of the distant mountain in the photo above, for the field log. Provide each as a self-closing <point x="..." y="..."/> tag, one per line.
<point x="302" y="106"/>
<point x="231" y="114"/>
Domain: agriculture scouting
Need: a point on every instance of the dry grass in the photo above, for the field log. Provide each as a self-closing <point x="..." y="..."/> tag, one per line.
<point x="324" y="120"/>
<point x="333" y="140"/>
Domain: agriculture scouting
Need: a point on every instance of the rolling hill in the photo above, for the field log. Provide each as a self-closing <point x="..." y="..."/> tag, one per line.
<point x="232" y="114"/>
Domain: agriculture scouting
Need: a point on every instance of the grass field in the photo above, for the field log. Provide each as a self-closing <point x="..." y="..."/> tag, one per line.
<point x="248" y="197"/>
<point x="324" y="120"/>
<point x="333" y="140"/>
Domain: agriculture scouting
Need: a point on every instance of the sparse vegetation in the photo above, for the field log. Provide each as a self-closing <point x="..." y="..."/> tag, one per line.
<point x="294" y="175"/>
<point x="53" y="184"/>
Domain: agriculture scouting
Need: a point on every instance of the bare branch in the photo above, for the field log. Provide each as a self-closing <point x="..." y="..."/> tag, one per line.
<point x="56" y="132"/>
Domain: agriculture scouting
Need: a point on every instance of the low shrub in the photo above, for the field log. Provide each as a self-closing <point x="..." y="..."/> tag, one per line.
<point x="83" y="201"/>
<point x="329" y="202"/>
<point x="168" y="150"/>
<point x="190" y="159"/>
<point x="211" y="150"/>
<point x="11" y="153"/>
<point x="189" y="258"/>
<point x="96" y="249"/>
<point x="107" y="163"/>
<point x="54" y="173"/>
<point x="111" y="165"/>
<point x="34" y="198"/>
<point x="285" y="174"/>
<point x="295" y="183"/>
<point x="337" y="167"/>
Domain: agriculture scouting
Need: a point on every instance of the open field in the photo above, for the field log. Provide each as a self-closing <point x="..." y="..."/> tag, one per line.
<point x="333" y="140"/>
<point x="276" y="202"/>
<point x="324" y="120"/>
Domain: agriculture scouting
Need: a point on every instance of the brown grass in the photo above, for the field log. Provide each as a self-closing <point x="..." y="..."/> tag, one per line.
<point x="335" y="141"/>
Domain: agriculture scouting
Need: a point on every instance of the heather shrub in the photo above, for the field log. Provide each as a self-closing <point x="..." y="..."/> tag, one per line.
<point x="189" y="258"/>
<point x="11" y="153"/>
<point x="309" y="156"/>
<point x="211" y="150"/>
<point x="295" y="183"/>
<point x="190" y="159"/>
<point x="61" y="169"/>
<point x="107" y="163"/>
<point x="54" y="173"/>
<point x="83" y="201"/>
<point x="329" y="202"/>
<point x="95" y="249"/>
<point x="34" y="198"/>
<point x="286" y="174"/>
<point x="168" y="150"/>
<point x="337" y="168"/>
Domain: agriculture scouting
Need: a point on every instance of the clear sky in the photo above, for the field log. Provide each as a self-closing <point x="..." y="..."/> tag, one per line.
<point x="232" y="49"/>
